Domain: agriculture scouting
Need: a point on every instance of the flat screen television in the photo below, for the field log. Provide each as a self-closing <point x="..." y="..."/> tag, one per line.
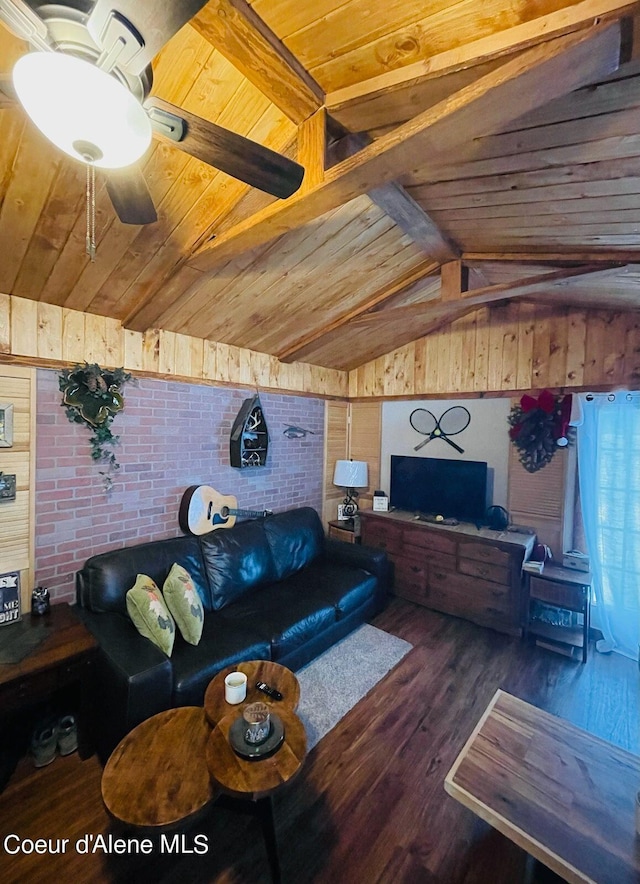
<point x="451" y="488"/>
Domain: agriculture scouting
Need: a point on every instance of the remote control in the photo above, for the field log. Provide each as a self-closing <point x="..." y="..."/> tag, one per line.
<point x="270" y="692"/>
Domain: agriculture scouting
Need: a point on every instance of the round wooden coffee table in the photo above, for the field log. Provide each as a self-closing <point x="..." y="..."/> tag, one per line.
<point x="275" y="675"/>
<point x="157" y="776"/>
<point x="257" y="780"/>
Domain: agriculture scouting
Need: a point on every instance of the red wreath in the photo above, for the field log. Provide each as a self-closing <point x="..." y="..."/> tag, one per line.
<point x="539" y="426"/>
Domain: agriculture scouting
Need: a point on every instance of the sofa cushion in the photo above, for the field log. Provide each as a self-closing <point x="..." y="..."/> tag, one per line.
<point x="184" y="604"/>
<point x="236" y="561"/>
<point x="296" y="538"/>
<point x="149" y="614"/>
<point x="285" y="616"/>
<point x="329" y="583"/>
<point x="104" y="580"/>
<point x="223" y="643"/>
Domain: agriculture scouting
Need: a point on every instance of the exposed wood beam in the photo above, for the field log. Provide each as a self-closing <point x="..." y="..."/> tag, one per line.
<point x="592" y="301"/>
<point x="234" y="29"/>
<point x="534" y="78"/>
<point x="411" y="218"/>
<point x="393" y="199"/>
<point x="438" y="313"/>
<point x="454" y="278"/>
<point x="312" y="144"/>
<point x="605" y="256"/>
<point x="358" y="106"/>
<point x="293" y="352"/>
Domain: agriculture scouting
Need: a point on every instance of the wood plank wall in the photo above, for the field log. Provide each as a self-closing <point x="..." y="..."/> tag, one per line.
<point x="510" y="348"/>
<point x="352" y="431"/>
<point x="336" y="447"/>
<point x="17" y="522"/>
<point x="45" y="334"/>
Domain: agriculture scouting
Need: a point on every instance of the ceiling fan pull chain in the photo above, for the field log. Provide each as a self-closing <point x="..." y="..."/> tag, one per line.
<point x="91" y="212"/>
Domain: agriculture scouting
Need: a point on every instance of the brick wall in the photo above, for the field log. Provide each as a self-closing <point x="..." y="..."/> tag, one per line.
<point x="172" y="435"/>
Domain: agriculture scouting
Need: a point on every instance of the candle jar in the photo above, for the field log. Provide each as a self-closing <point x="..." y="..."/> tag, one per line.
<point x="40" y="601"/>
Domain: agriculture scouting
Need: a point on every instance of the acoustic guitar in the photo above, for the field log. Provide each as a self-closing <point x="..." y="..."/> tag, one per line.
<point x="203" y="509"/>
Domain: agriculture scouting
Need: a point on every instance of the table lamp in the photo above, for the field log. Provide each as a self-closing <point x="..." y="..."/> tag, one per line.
<point x="350" y="474"/>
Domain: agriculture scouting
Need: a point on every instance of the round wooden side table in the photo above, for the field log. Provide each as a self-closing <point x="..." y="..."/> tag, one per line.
<point x="273" y="674"/>
<point x="255" y="781"/>
<point x="157" y="776"/>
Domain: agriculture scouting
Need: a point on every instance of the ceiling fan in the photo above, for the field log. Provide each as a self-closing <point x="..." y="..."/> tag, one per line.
<point x="86" y="85"/>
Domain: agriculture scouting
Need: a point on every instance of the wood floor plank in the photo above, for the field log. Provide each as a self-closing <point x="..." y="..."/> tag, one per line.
<point x="369" y="804"/>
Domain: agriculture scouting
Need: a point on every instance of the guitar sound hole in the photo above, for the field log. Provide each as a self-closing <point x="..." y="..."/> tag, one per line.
<point x="224" y="512"/>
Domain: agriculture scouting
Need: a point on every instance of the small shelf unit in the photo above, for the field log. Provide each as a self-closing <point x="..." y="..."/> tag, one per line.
<point x="568" y="590"/>
<point x="249" y="441"/>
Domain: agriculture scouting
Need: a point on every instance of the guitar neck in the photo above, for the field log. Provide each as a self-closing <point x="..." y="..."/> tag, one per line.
<point x="251" y="514"/>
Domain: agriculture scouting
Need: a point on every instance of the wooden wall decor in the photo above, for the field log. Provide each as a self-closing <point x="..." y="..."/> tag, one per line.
<point x="249" y="441"/>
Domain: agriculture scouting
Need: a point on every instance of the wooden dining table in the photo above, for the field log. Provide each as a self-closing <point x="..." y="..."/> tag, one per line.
<point x="564" y="795"/>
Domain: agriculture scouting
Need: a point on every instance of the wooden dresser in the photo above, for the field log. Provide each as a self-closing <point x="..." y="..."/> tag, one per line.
<point x="462" y="570"/>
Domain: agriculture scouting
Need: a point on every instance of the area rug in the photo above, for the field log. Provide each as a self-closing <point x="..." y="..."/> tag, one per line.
<point x="334" y="682"/>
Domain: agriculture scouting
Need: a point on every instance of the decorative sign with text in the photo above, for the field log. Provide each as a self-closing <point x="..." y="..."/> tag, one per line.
<point x="10" y="611"/>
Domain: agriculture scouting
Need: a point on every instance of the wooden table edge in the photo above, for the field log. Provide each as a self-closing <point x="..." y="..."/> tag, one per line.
<point x="256" y="794"/>
<point x="500" y="823"/>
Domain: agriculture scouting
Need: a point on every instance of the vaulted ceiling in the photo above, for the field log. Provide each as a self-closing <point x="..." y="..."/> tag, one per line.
<point x="497" y="140"/>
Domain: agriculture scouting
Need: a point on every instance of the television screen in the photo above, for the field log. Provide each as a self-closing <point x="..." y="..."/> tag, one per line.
<point x="451" y="488"/>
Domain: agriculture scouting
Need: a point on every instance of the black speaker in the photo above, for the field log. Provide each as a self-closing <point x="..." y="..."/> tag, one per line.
<point x="497" y="518"/>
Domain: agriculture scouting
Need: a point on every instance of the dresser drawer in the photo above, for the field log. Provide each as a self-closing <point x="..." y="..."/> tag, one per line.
<point x="29" y="689"/>
<point x="411" y="573"/>
<point x="428" y="539"/>
<point x="385" y="536"/>
<point x="561" y="594"/>
<point x="478" y="595"/>
<point x="482" y="552"/>
<point x="486" y="570"/>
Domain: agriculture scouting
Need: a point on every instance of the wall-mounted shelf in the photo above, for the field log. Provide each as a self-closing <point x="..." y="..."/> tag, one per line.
<point x="249" y="440"/>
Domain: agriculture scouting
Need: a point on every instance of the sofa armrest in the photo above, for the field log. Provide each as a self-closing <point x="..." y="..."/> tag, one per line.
<point x="369" y="558"/>
<point x="134" y="678"/>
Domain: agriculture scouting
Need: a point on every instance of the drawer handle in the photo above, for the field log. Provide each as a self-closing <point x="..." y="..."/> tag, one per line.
<point x="483" y="572"/>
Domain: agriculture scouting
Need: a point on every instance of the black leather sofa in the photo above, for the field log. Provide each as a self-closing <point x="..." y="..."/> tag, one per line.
<point x="272" y="589"/>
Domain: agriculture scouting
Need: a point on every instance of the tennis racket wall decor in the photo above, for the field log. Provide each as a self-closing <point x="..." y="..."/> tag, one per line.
<point x="453" y="421"/>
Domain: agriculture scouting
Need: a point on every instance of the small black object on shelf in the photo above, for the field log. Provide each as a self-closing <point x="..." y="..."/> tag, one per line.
<point x="497" y="518"/>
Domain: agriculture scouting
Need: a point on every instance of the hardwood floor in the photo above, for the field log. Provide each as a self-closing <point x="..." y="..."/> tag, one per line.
<point x="369" y="805"/>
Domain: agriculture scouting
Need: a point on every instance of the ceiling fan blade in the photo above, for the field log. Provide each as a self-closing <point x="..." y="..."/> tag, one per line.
<point x="22" y="21"/>
<point x="130" y="196"/>
<point x="231" y="153"/>
<point x="156" y="21"/>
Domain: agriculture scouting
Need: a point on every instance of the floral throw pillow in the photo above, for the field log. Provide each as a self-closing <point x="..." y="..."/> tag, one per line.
<point x="149" y="613"/>
<point x="184" y="603"/>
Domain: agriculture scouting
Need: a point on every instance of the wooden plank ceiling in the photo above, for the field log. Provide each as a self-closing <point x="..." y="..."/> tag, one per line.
<point x="497" y="140"/>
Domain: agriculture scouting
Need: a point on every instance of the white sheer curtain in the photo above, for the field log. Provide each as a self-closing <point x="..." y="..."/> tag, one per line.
<point x="609" y="471"/>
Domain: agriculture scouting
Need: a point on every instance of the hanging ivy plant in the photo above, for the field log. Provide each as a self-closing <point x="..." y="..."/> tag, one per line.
<point x="539" y="426"/>
<point x="92" y="395"/>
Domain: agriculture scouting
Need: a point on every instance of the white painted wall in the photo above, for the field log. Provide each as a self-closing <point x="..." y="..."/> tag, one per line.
<point x="486" y="438"/>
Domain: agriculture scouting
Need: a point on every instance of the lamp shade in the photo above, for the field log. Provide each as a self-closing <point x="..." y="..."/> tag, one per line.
<point x="86" y="112"/>
<point x="351" y="474"/>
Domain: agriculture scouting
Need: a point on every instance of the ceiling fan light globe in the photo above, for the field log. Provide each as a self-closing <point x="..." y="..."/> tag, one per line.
<point x="73" y="103"/>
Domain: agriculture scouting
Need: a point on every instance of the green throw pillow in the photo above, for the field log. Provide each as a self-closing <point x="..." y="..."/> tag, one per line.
<point x="183" y="601"/>
<point x="149" y="613"/>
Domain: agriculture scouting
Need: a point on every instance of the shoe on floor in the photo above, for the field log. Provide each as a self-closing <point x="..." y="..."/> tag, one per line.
<point x="67" y="735"/>
<point x="44" y="744"/>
